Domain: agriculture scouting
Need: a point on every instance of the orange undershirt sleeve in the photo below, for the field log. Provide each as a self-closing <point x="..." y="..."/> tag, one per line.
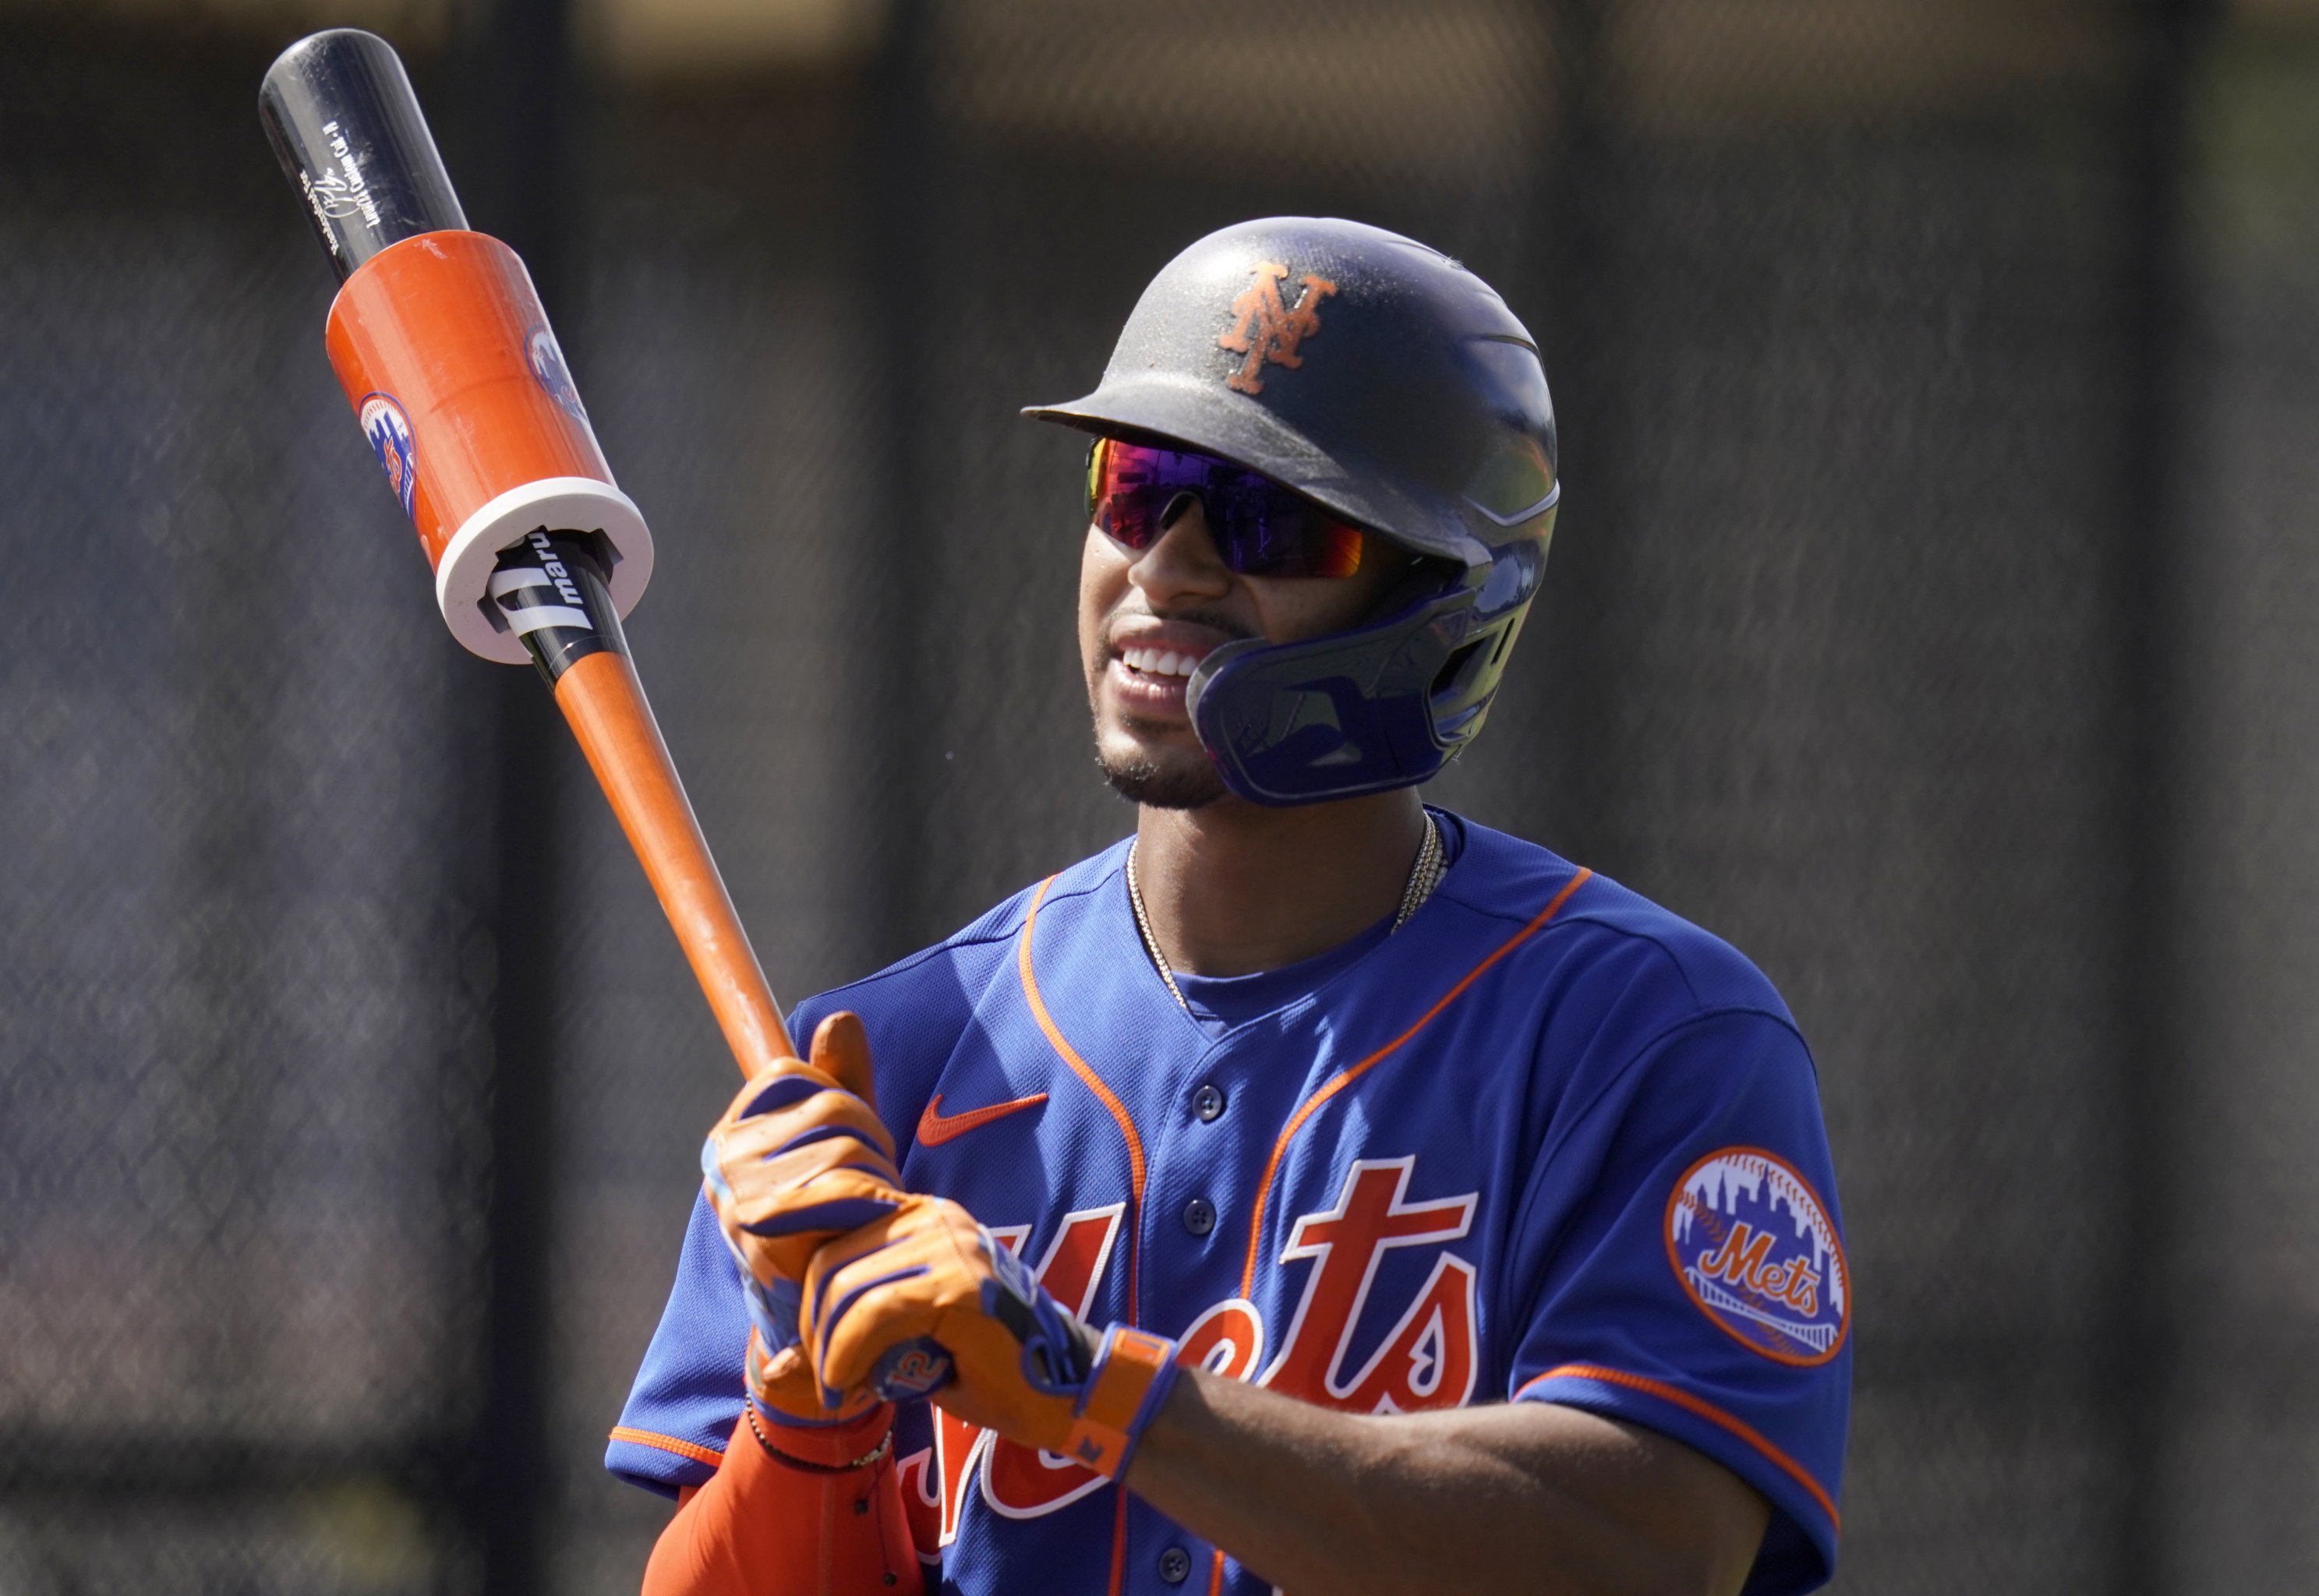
<point x="760" y="1527"/>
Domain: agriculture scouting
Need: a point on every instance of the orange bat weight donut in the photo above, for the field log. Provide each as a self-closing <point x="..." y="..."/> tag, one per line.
<point x="446" y="357"/>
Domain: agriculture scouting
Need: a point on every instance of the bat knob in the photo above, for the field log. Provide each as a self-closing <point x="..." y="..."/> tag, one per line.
<point x="902" y="1373"/>
<point x="910" y="1371"/>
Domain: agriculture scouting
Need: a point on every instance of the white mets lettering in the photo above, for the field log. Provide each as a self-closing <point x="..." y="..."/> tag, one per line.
<point x="1428" y="1358"/>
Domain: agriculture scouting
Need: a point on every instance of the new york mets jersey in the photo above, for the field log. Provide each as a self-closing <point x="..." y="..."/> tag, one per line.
<point x="1546" y="1142"/>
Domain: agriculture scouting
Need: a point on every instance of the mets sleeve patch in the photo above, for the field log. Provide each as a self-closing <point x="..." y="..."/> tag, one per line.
<point x="1756" y="1252"/>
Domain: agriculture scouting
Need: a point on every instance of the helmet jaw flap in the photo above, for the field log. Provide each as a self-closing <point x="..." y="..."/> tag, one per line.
<point x="1381" y="706"/>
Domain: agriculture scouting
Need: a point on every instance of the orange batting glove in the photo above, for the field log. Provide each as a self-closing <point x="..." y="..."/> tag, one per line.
<point x="885" y="1304"/>
<point x="800" y="1156"/>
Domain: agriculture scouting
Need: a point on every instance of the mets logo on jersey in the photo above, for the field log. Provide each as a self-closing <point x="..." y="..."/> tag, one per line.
<point x="1422" y="1351"/>
<point x="389" y="432"/>
<point x="1751" y="1243"/>
<point x="547" y="358"/>
<point x="1266" y="329"/>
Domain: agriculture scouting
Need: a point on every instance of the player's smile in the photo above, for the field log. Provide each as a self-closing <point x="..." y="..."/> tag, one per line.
<point x="1152" y="660"/>
<point x="1147" y="618"/>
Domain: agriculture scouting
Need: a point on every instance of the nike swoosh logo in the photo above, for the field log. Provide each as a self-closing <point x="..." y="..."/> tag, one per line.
<point x="935" y="1127"/>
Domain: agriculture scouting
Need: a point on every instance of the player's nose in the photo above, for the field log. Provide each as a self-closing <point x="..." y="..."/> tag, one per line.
<point x="1182" y="562"/>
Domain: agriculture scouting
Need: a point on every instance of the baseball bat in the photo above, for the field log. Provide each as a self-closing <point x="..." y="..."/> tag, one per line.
<point x="446" y="353"/>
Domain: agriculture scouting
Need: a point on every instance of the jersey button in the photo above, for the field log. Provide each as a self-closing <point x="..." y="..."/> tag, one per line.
<point x="1175" y="1565"/>
<point x="1199" y="1216"/>
<point x="1208" y="1104"/>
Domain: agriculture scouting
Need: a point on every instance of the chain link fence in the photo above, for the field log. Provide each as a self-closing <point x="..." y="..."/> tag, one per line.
<point x="1930" y="616"/>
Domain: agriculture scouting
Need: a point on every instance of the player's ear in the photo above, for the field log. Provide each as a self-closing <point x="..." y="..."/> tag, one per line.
<point x="841" y="1051"/>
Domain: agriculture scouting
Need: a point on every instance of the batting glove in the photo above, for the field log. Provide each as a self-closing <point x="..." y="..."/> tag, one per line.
<point x="800" y="1156"/>
<point x="927" y="1278"/>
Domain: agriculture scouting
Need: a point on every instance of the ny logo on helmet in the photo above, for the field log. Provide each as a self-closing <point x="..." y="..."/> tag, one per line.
<point x="1265" y="329"/>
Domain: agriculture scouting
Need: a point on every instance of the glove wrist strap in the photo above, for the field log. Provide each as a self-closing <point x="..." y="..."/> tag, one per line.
<point x="1134" y="1372"/>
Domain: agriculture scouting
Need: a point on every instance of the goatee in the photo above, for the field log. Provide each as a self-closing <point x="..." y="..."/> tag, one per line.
<point x="1188" y="784"/>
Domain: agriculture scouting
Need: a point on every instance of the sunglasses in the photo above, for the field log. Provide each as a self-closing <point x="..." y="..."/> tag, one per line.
<point x="1259" y="528"/>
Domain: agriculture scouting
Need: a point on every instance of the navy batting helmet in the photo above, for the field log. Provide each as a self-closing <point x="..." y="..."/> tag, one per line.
<point x="1390" y="385"/>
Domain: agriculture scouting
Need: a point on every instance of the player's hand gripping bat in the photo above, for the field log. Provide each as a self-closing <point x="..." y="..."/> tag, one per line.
<point x="446" y="354"/>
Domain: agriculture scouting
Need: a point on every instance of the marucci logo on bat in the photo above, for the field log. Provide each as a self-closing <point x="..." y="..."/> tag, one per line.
<point x="555" y="568"/>
<point x="519" y="592"/>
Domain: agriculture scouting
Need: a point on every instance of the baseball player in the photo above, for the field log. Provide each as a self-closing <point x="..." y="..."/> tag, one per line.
<point x="1316" y="1191"/>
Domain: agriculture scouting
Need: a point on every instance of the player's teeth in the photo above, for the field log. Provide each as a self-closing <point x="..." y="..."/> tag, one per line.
<point x="1148" y="661"/>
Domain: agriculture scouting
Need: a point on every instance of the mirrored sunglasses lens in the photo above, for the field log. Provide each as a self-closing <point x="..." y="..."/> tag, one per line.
<point x="1334" y="548"/>
<point x="1269" y="531"/>
<point x="1260" y="527"/>
<point x="1130" y="488"/>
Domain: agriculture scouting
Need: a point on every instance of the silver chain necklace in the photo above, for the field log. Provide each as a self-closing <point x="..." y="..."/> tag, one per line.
<point x="1424" y="876"/>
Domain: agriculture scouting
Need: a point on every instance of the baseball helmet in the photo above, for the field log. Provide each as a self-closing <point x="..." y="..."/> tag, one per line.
<point x="1390" y="385"/>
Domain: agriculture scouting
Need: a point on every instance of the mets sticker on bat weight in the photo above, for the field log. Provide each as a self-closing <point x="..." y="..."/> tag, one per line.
<point x="389" y="432"/>
<point x="1757" y="1253"/>
<point x="547" y="367"/>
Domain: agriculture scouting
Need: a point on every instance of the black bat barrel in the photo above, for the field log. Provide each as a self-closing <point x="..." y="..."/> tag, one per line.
<point x="338" y="110"/>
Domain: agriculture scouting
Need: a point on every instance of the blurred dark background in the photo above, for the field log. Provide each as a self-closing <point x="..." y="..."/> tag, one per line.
<point x="1931" y="616"/>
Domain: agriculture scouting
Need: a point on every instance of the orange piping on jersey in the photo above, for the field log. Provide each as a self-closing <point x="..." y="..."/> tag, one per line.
<point x="669" y="1443"/>
<point x="1216" y="1578"/>
<point x="1346" y="1077"/>
<point x="1095" y="1083"/>
<point x="1134" y="1176"/>
<point x="1704" y="1410"/>
<point x="1119" y="1544"/>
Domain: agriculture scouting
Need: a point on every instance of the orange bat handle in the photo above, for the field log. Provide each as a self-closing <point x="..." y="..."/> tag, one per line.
<point x="601" y="695"/>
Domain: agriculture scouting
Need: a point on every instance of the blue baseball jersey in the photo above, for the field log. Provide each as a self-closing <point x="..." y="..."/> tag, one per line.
<point x="1546" y="1142"/>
